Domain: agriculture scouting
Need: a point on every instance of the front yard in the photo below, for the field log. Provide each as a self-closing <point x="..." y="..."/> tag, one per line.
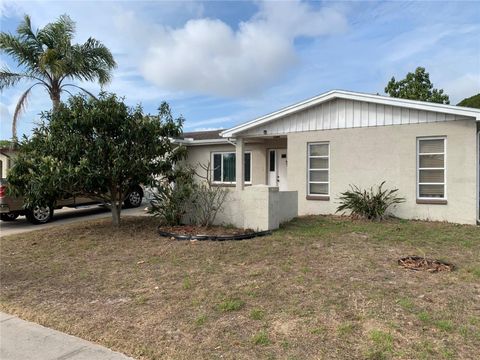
<point x="321" y="287"/>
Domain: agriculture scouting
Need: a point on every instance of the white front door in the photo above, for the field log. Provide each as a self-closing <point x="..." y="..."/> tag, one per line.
<point x="277" y="168"/>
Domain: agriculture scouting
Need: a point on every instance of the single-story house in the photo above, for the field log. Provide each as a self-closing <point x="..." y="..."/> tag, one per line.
<point x="297" y="160"/>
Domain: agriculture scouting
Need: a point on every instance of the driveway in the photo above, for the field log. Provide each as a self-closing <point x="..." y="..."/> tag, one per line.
<point x="66" y="216"/>
<point x="24" y="340"/>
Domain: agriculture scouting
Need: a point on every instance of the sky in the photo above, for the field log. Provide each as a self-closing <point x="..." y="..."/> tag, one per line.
<point x="221" y="63"/>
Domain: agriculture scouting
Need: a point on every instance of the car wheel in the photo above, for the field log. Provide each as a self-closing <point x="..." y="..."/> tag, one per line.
<point x="8" y="217"/>
<point x="40" y="214"/>
<point x="134" y="199"/>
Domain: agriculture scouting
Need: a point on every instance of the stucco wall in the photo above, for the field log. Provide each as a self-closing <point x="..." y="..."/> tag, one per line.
<point x="258" y="207"/>
<point x="367" y="156"/>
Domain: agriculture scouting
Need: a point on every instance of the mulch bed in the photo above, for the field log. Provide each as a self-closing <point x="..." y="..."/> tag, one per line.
<point x="219" y="233"/>
<point x="420" y="263"/>
<point x="198" y="230"/>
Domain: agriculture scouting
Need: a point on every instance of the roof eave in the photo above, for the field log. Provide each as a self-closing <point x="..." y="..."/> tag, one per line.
<point x="202" y="142"/>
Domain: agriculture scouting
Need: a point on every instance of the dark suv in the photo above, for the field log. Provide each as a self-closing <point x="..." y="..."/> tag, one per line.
<point x="11" y="207"/>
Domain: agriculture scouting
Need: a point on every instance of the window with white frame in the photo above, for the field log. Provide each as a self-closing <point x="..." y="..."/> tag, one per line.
<point x="431" y="168"/>
<point x="223" y="165"/>
<point x="319" y="169"/>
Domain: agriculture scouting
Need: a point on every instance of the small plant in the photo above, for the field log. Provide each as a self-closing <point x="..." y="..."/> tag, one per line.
<point x="186" y="283"/>
<point x="257" y="314"/>
<point x="406" y="303"/>
<point x="424" y="317"/>
<point x="382" y="345"/>
<point x="261" y="338"/>
<point x="209" y="199"/>
<point x="173" y="196"/>
<point x="370" y="204"/>
<point x="318" y="330"/>
<point x="444" y="325"/>
<point x="199" y="321"/>
<point x="231" y="305"/>
<point x="346" y="329"/>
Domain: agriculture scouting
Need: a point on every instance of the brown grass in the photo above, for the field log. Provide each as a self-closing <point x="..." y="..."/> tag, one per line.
<point x="321" y="288"/>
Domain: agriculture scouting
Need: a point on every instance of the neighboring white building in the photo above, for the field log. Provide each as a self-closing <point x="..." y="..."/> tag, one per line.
<point x="5" y="161"/>
<point x="317" y="148"/>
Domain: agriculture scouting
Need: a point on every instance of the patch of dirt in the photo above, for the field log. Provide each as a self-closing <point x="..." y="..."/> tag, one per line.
<point x="284" y="326"/>
<point x="422" y="263"/>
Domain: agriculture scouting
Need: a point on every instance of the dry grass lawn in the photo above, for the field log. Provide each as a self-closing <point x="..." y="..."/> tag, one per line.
<point x="319" y="288"/>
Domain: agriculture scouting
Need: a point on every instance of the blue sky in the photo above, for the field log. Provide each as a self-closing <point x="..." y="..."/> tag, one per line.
<point x="221" y="63"/>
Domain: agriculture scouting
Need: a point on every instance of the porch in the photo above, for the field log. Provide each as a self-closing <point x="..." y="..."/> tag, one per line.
<point x="261" y="199"/>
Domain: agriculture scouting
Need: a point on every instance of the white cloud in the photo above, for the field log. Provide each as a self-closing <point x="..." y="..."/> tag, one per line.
<point x="462" y="87"/>
<point x="207" y="56"/>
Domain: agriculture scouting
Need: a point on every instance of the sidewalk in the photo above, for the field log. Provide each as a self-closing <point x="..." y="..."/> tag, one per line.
<point x="23" y="340"/>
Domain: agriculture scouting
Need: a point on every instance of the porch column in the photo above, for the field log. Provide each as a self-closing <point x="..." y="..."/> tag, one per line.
<point x="239" y="169"/>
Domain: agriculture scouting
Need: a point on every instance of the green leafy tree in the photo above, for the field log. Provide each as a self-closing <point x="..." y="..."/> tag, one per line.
<point x="5" y="143"/>
<point x="99" y="148"/>
<point x="48" y="58"/>
<point x="416" y="86"/>
<point x="472" y="101"/>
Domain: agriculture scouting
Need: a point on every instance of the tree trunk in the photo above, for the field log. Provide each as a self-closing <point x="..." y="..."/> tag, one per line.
<point x="55" y="100"/>
<point x="116" y="202"/>
<point x="116" y="208"/>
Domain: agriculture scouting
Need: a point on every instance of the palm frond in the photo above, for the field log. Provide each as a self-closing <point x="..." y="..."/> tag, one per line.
<point x="21" y="105"/>
<point x="91" y="61"/>
<point x="58" y="34"/>
<point x="78" y="87"/>
<point x="9" y="78"/>
<point x="23" y="52"/>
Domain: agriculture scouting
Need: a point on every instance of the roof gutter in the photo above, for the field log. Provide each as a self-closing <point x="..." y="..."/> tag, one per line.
<point x="192" y="142"/>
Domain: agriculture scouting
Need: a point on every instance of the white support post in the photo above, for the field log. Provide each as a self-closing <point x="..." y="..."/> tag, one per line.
<point x="239" y="168"/>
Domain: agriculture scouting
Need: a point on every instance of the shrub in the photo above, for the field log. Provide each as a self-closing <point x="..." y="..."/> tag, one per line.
<point x="173" y="197"/>
<point x="370" y="204"/>
<point x="209" y="199"/>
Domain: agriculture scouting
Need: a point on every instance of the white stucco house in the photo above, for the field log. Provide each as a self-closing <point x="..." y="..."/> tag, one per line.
<point x="297" y="160"/>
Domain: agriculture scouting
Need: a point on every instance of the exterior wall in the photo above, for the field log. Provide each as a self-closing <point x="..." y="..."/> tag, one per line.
<point x="201" y="154"/>
<point x="344" y="114"/>
<point x="367" y="156"/>
<point x="258" y="208"/>
<point x="5" y="161"/>
<point x="288" y="205"/>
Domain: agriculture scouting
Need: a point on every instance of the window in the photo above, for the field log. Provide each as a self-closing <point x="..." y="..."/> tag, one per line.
<point x="431" y="166"/>
<point x="272" y="160"/>
<point x="224" y="167"/>
<point x="319" y="169"/>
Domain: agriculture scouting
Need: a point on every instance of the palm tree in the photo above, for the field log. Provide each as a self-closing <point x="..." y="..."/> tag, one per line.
<point x="48" y="58"/>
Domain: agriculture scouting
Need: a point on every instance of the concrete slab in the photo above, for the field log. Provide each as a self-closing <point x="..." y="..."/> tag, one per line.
<point x="24" y="340"/>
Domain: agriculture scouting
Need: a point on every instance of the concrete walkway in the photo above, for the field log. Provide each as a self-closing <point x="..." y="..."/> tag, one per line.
<point x="23" y="340"/>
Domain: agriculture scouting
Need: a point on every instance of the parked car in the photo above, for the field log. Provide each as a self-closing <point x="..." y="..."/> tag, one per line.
<point x="11" y="207"/>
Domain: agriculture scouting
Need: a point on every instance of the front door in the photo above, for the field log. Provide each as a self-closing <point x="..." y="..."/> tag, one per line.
<point x="277" y="168"/>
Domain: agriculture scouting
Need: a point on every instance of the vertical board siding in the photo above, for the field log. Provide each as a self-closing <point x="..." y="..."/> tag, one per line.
<point x="342" y="113"/>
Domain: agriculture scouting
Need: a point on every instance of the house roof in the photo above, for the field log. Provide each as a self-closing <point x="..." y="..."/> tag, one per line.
<point x="350" y="95"/>
<point x="203" y="135"/>
<point x="202" y="138"/>
<point x="7" y="151"/>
